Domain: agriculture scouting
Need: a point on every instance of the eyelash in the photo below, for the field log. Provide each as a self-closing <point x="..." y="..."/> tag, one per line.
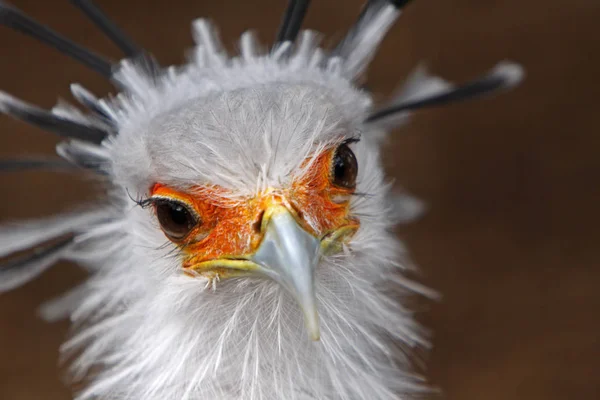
<point x="142" y="202"/>
<point x="151" y="201"/>
<point x="146" y="203"/>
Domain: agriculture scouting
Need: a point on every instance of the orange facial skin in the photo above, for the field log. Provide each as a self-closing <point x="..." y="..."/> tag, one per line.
<point x="231" y="228"/>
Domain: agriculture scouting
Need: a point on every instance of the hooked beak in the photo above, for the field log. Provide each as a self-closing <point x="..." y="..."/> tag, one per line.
<point x="289" y="255"/>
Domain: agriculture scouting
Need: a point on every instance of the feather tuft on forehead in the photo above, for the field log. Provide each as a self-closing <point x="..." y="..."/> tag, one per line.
<point x="244" y="247"/>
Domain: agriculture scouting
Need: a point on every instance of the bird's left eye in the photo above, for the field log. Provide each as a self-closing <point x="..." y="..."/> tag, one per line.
<point x="344" y="168"/>
<point x="175" y="219"/>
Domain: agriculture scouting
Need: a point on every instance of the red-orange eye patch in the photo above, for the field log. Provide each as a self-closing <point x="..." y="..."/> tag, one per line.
<point x="229" y="227"/>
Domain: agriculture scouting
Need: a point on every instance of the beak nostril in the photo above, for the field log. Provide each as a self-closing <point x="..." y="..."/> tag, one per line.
<point x="258" y="223"/>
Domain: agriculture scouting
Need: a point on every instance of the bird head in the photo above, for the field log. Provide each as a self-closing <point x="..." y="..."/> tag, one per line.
<point x="253" y="183"/>
<point x="244" y="247"/>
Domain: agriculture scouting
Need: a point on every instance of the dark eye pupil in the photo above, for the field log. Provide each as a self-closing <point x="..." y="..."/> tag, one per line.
<point x="175" y="220"/>
<point x="179" y="215"/>
<point x="345" y="167"/>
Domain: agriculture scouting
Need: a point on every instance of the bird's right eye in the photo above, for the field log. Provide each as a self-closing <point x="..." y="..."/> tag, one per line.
<point x="175" y="219"/>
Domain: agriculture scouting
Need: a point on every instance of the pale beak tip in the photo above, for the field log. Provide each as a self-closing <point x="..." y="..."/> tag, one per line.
<point x="312" y="325"/>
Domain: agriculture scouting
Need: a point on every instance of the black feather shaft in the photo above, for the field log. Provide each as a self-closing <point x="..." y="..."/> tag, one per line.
<point x="370" y="5"/>
<point x="25" y="164"/>
<point x="15" y="19"/>
<point x="399" y="4"/>
<point x="292" y="20"/>
<point x="285" y="21"/>
<point x="479" y="87"/>
<point x="50" y="122"/>
<point x="90" y="102"/>
<point x="81" y="158"/>
<point x="108" y="27"/>
<point x="37" y="254"/>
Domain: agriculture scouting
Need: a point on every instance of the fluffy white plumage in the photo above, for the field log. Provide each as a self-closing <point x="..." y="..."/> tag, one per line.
<point x="144" y="329"/>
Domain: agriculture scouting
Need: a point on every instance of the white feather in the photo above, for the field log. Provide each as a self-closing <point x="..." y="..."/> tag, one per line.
<point x="13" y="276"/>
<point x="406" y="208"/>
<point x="359" y="48"/>
<point x="21" y="235"/>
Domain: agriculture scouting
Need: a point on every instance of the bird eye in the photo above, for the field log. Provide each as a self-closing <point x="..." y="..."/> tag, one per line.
<point x="175" y="219"/>
<point x="344" y="167"/>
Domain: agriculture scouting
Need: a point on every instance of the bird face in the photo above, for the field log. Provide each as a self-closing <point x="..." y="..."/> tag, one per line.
<point x="281" y="228"/>
<point x="278" y="233"/>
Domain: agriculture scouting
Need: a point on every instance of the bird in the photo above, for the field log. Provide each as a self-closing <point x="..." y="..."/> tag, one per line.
<point x="243" y="247"/>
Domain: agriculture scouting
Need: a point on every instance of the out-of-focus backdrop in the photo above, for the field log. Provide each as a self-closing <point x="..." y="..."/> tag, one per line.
<point x="512" y="182"/>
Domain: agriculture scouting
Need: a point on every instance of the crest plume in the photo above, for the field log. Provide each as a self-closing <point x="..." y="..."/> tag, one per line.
<point x="95" y="14"/>
<point x="15" y="19"/>
<point x="243" y="247"/>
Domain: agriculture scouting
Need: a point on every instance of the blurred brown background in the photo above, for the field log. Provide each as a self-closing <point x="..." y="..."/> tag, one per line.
<point x="513" y="226"/>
